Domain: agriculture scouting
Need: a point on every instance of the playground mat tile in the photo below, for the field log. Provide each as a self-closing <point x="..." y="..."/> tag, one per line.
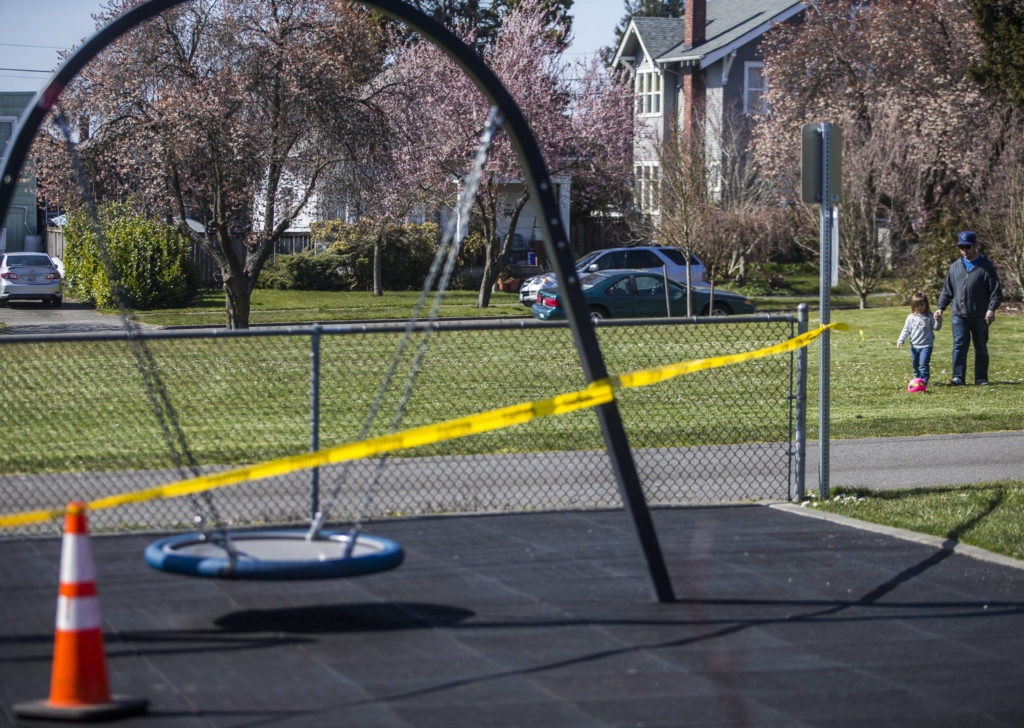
<point x="548" y="620"/>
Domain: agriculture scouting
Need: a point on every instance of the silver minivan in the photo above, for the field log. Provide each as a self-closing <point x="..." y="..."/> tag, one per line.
<point x="650" y="257"/>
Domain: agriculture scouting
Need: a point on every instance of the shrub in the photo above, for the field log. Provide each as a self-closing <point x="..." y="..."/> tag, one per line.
<point x="306" y="271"/>
<point x="151" y="262"/>
<point x="406" y="251"/>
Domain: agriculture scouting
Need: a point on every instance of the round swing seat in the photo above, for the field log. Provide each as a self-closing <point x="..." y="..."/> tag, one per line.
<point x="274" y="555"/>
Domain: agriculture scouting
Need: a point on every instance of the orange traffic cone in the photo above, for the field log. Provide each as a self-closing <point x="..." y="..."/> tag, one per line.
<point x="78" y="685"/>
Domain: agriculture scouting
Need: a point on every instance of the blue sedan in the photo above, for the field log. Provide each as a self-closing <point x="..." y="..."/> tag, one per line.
<point x="639" y="294"/>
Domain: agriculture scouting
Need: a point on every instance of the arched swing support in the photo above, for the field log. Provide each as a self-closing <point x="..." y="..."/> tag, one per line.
<point x="538" y="183"/>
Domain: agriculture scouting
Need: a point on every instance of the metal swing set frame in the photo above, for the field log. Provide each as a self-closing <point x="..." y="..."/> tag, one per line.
<point x="344" y="555"/>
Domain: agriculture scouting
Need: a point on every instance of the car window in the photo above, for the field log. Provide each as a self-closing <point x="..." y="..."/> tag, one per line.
<point x="587" y="260"/>
<point x="676" y="256"/>
<point x="649" y="286"/>
<point x="615" y="259"/>
<point x="29" y="259"/>
<point x="619" y="288"/>
<point x="591" y="280"/>
<point x="642" y="259"/>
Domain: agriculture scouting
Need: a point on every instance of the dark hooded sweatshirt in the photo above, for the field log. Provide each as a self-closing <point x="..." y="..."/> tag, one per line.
<point x="972" y="293"/>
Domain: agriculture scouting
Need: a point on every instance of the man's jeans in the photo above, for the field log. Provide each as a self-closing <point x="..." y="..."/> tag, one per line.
<point x="921" y="359"/>
<point x="964" y="330"/>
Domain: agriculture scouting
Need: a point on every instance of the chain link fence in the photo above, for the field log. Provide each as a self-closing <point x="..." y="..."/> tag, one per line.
<point x="92" y="415"/>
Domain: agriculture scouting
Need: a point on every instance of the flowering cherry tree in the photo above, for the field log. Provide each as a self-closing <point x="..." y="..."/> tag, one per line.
<point x="580" y="116"/>
<point x="894" y="74"/>
<point x="217" y="103"/>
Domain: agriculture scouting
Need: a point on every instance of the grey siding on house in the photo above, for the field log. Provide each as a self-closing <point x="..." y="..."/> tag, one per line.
<point x="21" y="217"/>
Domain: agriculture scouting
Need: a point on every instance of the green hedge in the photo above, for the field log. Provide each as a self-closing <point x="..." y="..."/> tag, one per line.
<point x="306" y="271"/>
<point x="406" y="250"/>
<point x="152" y="261"/>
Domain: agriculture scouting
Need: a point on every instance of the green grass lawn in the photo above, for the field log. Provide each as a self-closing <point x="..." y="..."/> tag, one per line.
<point x="869" y="375"/>
<point x="868" y="393"/>
<point x="271" y="306"/>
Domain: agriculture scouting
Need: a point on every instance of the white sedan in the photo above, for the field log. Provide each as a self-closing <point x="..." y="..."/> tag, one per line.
<point x="27" y="276"/>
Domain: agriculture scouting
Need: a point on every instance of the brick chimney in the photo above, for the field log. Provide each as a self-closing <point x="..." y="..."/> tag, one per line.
<point x="695" y="18"/>
<point x="692" y="90"/>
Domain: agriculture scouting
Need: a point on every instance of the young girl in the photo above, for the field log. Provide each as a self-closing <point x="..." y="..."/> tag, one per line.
<point x="920" y="328"/>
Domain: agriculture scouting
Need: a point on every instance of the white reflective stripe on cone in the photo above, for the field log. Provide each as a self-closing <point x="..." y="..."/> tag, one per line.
<point x="76" y="564"/>
<point x="76" y="614"/>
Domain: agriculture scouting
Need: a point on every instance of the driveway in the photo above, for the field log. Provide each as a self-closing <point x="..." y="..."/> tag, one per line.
<point x="31" y="317"/>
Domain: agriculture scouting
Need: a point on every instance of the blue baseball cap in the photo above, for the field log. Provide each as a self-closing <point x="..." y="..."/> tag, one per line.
<point x="967" y="238"/>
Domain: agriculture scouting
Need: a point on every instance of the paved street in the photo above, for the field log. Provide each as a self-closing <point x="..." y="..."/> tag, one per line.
<point x="31" y="317"/>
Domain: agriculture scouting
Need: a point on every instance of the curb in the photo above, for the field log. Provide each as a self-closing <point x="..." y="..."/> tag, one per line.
<point x="944" y="544"/>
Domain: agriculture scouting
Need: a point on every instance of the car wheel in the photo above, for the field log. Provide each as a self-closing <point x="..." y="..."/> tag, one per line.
<point x="56" y="301"/>
<point x="720" y="309"/>
<point x="597" y="313"/>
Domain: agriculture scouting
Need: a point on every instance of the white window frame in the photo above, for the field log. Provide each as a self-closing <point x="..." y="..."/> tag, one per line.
<point x="649" y="89"/>
<point x="647" y="177"/>
<point x="749" y="89"/>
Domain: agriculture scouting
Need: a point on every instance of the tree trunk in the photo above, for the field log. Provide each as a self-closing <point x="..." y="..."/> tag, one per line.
<point x="483" y="296"/>
<point x="237" y="302"/>
<point x="378" y="286"/>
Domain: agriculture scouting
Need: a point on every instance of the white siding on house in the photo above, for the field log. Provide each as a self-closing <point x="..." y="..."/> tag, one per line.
<point x="528" y="225"/>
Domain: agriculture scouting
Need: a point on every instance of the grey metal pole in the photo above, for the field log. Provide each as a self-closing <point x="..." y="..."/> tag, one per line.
<point x="800" y="465"/>
<point x="664" y="282"/>
<point x="314" y="418"/>
<point x="825" y="306"/>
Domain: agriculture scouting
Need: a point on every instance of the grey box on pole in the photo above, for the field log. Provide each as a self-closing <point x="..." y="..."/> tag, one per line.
<point x="812" y="157"/>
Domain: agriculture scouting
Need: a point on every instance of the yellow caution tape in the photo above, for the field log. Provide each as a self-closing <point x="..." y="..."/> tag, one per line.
<point x="598" y="392"/>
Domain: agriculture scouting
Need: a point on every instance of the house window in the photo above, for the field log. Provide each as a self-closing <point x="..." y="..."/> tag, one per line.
<point x="648" y="92"/>
<point x="648" y="177"/>
<point x="6" y="132"/>
<point x="753" y="88"/>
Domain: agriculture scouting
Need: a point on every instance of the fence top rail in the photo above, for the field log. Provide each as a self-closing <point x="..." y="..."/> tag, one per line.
<point x="264" y="330"/>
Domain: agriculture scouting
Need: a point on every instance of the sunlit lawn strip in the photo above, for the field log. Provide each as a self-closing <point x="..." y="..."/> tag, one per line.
<point x="987" y="515"/>
<point x="271" y="306"/>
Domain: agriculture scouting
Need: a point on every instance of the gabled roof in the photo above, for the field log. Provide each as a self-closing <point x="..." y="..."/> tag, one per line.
<point x="730" y="25"/>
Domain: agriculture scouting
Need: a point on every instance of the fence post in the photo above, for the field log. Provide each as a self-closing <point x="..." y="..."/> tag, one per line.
<point x="314" y="418"/>
<point x="801" y="405"/>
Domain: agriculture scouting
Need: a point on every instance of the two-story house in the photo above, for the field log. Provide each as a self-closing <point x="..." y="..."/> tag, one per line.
<point x="691" y="72"/>
<point x="20" y="229"/>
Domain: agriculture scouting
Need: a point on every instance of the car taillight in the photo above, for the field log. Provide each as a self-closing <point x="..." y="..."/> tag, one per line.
<point x="52" y="276"/>
<point x="549" y="301"/>
<point x="10" y="275"/>
<point x="704" y="276"/>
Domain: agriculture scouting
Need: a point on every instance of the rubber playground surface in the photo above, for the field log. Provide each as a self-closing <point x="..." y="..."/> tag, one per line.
<point x="548" y="619"/>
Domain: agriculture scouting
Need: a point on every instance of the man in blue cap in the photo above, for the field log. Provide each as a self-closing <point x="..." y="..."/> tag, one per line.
<point x="972" y="285"/>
